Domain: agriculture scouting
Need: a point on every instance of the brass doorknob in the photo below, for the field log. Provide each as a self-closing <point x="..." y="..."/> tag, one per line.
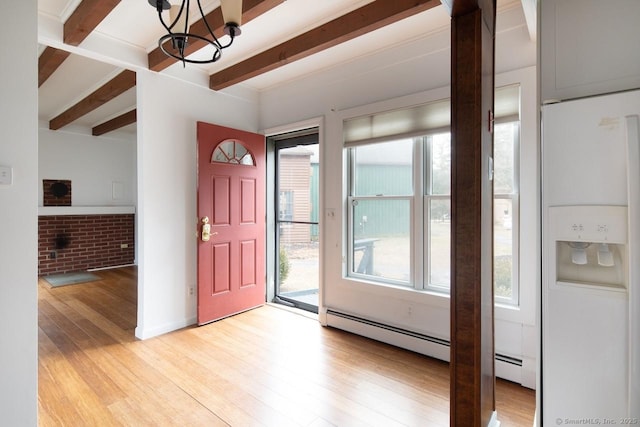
<point x="206" y="229"/>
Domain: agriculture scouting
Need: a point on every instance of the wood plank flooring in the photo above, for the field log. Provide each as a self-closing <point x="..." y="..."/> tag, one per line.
<point x="265" y="367"/>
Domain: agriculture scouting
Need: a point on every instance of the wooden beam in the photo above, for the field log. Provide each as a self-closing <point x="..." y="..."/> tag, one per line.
<point x="472" y="333"/>
<point x="370" y="17"/>
<point x="115" y="123"/>
<point x="251" y="9"/>
<point x="85" y="19"/>
<point x="463" y="7"/>
<point x="118" y="85"/>
<point x="49" y="61"/>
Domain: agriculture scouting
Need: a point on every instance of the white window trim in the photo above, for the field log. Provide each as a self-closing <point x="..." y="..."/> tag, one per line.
<point x="351" y="198"/>
<point x="515" y="215"/>
<point x="419" y="205"/>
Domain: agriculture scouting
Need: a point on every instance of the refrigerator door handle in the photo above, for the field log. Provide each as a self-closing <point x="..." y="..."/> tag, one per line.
<point x="633" y="189"/>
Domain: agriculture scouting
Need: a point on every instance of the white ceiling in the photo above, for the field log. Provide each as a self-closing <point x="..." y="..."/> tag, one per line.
<point x="124" y="38"/>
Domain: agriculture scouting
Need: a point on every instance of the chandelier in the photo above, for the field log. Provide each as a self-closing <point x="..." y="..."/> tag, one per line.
<point x="180" y="21"/>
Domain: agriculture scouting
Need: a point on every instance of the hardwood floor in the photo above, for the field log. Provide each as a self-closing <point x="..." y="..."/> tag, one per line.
<point x="265" y="367"/>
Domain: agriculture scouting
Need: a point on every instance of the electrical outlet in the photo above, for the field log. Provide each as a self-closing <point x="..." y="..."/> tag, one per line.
<point x="190" y="291"/>
<point x="124" y="246"/>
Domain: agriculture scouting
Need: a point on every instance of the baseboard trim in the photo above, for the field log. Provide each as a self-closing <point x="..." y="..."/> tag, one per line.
<point x="507" y="368"/>
<point x="144" y="333"/>
<point x="429" y="346"/>
<point x="493" y="422"/>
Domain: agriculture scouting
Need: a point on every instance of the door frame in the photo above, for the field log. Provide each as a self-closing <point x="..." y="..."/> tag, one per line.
<point x="309" y="136"/>
<point x="269" y="134"/>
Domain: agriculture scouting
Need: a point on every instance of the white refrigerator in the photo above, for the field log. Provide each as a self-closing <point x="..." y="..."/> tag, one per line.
<point x="591" y="261"/>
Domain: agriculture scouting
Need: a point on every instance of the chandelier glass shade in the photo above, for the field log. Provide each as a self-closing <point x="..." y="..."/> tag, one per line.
<point x="180" y="21"/>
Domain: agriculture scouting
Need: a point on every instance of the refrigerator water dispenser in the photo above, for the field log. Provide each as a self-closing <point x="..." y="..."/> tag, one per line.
<point x="586" y="315"/>
<point x="590" y="246"/>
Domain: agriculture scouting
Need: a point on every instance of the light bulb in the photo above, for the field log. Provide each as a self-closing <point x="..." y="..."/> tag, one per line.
<point x="232" y="11"/>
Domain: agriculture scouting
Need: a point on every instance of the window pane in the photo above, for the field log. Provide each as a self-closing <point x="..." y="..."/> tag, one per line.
<point x="297" y="168"/>
<point x="439" y="252"/>
<point x="384" y="169"/>
<point x="504" y="140"/>
<point x="230" y="151"/>
<point x="298" y="264"/>
<point x="382" y="239"/>
<point x="441" y="164"/>
<point x="503" y="247"/>
<point x="297" y="257"/>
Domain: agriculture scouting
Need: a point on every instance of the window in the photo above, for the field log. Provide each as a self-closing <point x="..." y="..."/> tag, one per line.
<point x="399" y="200"/>
<point x="506" y="138"/>
<point x="381" y="211"/>
<point x="438" y="206"/>
<point x="230" y="151"/>
<point x="390" y="197"/>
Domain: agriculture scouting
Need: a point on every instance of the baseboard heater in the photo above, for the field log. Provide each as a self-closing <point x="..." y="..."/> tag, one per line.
<point x="509" y="360"/>
<point x="390" y="328"/>
<point x="414" y="341"/>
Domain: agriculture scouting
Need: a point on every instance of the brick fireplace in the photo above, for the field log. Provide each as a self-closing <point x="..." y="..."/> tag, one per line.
<point x="74" y="242"/>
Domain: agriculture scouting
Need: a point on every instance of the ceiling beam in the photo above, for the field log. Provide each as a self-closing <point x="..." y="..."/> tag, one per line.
<point x="459" y="8"/>
<point x="374" y="15"/>
<point x="251" y="9"/>
<point x="85" y="19"/>
<point x="115" y="123"/>
<point x="49" y="61"/>
<point x="118" y="85"/>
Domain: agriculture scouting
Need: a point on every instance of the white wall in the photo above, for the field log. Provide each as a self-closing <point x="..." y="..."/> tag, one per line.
<point x="167" y="218"/>
<point x="92" y="164"/>
<point x="18" y="217"/>
<point x="417" y="66"/>
<point x="407" y="75"/>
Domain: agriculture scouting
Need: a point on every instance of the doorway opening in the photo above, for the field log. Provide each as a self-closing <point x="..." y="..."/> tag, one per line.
<point x="296" y="205"/>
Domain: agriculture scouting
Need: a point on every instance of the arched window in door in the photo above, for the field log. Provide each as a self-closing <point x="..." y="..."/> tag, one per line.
<point x="234" y="152"/>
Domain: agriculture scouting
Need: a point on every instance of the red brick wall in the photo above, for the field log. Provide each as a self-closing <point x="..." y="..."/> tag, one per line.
<point x="49" y="199"/>
<point x="93" y="241"/>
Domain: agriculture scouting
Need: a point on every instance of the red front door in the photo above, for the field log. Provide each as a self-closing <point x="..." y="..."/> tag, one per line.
<point x="231" y="199"/>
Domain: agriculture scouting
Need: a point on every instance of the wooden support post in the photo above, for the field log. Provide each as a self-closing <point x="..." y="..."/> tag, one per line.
<point x="472" y="337"/>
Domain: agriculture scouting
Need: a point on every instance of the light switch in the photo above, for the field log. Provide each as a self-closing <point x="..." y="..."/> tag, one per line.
<point x="117" y="190"/>
<point x="6" y="175"/>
